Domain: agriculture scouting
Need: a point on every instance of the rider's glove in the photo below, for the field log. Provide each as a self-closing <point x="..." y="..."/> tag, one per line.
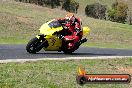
<point x="65" y="27"/>
<point x="60" y="36"/>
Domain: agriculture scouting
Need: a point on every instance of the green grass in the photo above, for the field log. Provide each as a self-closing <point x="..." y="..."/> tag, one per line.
<point x="108" y="34"/>
<point x="108" y="45"/>
<point x="60" y="74"/>
<point x="12" y="41"/>
<point x="19" y="22"/>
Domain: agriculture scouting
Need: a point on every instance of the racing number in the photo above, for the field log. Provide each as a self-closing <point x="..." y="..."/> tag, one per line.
<point x="53" y="41"/>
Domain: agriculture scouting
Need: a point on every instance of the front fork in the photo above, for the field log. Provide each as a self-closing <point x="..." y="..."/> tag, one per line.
<point x="43" y="42"/>
<point x="40" y="37"/>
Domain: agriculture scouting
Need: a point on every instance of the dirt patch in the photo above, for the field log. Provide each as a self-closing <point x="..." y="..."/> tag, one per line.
<point x="125" y="69"/>
<point x="25" y="20"/>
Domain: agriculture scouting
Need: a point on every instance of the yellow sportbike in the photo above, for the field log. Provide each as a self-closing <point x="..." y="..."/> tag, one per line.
<point x="49" y="40"/>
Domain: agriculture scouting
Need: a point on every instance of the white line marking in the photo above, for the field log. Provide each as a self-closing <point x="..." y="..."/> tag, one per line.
<point x="66" y="58"/>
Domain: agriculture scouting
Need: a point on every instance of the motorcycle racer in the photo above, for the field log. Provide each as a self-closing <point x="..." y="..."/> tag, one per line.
<point x="74" y="30"/>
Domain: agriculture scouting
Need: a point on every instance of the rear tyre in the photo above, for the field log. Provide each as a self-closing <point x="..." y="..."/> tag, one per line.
<point x="68" y="51"/>
<point x="32" y="45"/>
<point x="65" y="48"/>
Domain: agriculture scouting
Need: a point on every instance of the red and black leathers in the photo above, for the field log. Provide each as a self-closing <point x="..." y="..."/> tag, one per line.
<point x="74" y="31"/>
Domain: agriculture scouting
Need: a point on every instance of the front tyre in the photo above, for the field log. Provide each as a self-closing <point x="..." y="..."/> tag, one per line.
<point x="32" y="44"/>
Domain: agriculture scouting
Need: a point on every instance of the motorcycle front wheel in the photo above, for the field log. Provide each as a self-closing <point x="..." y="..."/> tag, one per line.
<point x="32" y="45"/>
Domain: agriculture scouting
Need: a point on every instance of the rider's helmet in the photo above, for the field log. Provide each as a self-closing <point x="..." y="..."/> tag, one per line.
<point x="70" y="18"/>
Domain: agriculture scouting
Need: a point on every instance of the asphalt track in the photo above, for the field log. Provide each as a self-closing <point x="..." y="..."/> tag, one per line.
<point x="18" y="52"/>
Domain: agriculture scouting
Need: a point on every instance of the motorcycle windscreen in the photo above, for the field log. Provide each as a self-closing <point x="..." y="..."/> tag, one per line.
<point x="50" y="27"/>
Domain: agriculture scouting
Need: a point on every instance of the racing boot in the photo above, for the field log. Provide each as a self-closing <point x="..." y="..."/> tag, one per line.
<point x="76" y="46"/>
<point x="83" y="40"/>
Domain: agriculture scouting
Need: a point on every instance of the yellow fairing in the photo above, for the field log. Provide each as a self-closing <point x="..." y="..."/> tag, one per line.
<point x="46" y="30"/>
<point x="86" y="31"/>
<point x="54" y="43"/>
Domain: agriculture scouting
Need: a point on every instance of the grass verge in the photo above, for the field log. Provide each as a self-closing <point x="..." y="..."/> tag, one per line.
<point x="60" y="74"/>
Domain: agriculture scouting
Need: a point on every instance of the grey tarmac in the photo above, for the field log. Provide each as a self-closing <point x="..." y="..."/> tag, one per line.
<point x="17" y="53"/>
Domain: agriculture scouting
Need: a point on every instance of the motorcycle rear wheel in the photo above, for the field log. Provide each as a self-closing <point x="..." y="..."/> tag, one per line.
<point x="66" y="51"/>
